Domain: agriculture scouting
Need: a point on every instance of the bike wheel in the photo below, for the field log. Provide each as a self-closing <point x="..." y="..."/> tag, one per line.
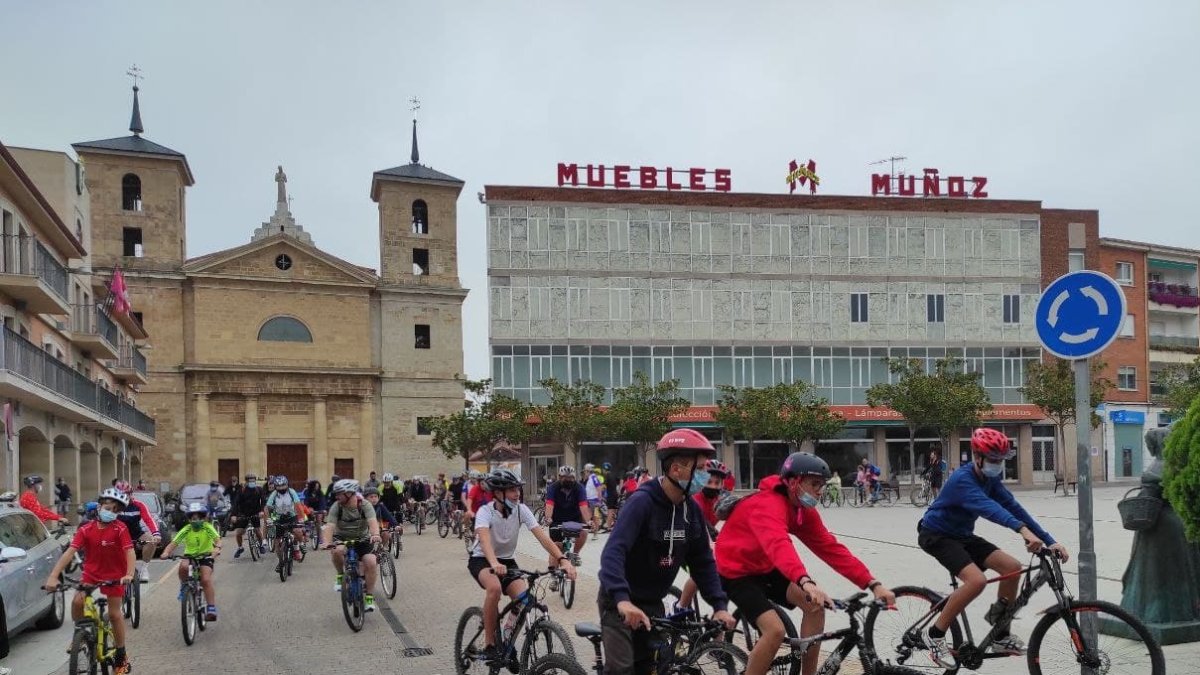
<point x="544" y="637"/>
<point x="83" y="654"/>
<point x="352" y="607"/>
<point x="750" y="637"/>
<point x="567" y="591"/>
<point x="919" y="497"/>
<point x="443" y="524"/>
<point x="396" y="545"/>
<point x="125" y="600"/>
<point x="431" y="516"/>
<point x="858" y="500"/>
<point x="135" y="603"/>
<point x="281" y="555"/>
<point x="387" y="574"/>
<point x="201" y="608"/>
<point x="892" y="636"/>
<point x="841" y="498"/>
<point x="556" y="664"/>
<point x="187" y="615"/>
<point x="468" y="642"/>
<point x="826" y="499"/>
<point x="717" y="657"/>
<point x="252" y="543"/>
<point x="1124" y="646"/>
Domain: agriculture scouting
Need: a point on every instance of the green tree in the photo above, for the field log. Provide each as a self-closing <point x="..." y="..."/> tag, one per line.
<point x="574" y="413"/>
<point x="803" y="416"/>
<point x="641" y="412"/>
<point x="748" y="412"/>
<point x="1182" y="383"/>
<point x="945" y="399"/>
<point x="1050" y="385"/>
<point x="486" y="420"/>
<point x="1181" y="470"/>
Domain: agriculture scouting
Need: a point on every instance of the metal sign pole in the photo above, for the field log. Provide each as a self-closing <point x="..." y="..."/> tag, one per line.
<point x="1087" y="544"/>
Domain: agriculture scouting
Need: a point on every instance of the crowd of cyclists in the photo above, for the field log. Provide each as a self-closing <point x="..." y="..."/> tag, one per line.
<point x="737" y="549"/>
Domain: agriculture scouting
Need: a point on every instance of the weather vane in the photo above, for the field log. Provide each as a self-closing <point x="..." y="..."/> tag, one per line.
<point x="135" y="73"/>
<point x="414" y="105"/>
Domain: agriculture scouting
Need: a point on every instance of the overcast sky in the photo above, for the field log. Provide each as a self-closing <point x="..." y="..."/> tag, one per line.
<point x="1077" y="105"/>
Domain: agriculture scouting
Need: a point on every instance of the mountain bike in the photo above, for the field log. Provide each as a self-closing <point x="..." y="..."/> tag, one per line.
<point x="387" y="567"/>
<point x="566" y="586"/>
<point x="252" y="541"/>
<point x="468" y="536"/>
<point x="1122" y="643"/>
<point x="833" y="495"/>
<point x="922" y="494"/>
<point x="354" y="585"/>
<point x="418" y="517"/>
<point x="92" y="647"/>
<point x="193" y="611"/>
<point x="397" y="542"/>
<point x="285" y="550"/>
<point x="524" y="620"/>
<point x="443" y="521"/>
<point x="681" y="645"/>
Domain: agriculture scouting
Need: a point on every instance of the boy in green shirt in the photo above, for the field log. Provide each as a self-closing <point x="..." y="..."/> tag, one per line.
<point x="202" y="542"/>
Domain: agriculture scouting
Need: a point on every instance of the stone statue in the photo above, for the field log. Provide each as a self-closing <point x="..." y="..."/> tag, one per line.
<point x="1162" y="581"/>
<point x="281" y="188"/>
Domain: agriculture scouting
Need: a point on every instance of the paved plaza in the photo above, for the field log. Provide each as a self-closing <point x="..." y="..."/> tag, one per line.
<point x="267" y="627"/>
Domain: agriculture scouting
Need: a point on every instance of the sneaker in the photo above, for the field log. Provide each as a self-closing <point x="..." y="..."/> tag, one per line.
<point x="211" y="615"/>
<point x="124" y="668"/>
<point x="181" y="592"/>
<point x="491" y="654"/>
<point x="368" y="603"/>
<point x="262" y="549"/>
<point x="575" y="560"/>
<point x="939" y="650"/>
<point x="279" y="567"/>
<point x="1009" y="644"/>
<point x="296" y="555"/>
<point x="238" y="553"/>
<point x="554" y="584"/>
<point x="144" y="573"/>
<point x="337" y="583"/>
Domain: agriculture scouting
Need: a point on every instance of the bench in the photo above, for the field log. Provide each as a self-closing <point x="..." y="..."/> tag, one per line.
<point x="1068" y="486"/>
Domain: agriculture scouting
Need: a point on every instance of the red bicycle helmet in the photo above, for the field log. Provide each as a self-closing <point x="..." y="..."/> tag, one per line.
<point x="684" y="442"/>
<point x="716" y="467"/>
<point x="992" y="444"/>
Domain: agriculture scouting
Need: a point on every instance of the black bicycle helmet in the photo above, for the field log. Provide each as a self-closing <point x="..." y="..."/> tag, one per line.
<point x="33" y="479"/>
<point x="502" y="479"/>
<point x="804" y="464"/>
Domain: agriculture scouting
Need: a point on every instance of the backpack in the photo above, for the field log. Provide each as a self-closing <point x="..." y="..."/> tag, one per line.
<point x="725" y="504"/>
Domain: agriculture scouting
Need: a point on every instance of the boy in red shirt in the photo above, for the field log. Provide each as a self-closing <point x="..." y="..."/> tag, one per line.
<point x="29" y="500"/>
<point x="107" y="556"/>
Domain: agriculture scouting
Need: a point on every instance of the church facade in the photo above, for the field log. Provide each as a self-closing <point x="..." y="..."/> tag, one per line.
<point x="275" y="357"/>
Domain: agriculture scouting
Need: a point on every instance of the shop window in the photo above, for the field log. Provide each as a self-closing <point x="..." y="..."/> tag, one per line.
<point x="131" y="192"/>
<point x="131" y="238"/>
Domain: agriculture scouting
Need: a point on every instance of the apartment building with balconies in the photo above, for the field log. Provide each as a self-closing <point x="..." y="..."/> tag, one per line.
<point x="70" y="367"/>
<point x="1162" y="328"/>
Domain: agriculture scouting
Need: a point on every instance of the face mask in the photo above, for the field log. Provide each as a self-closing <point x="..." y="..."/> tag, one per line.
<point x="992" y="470"/>
<point x="281" y="490"/>
<point x="251" y="485"/>
<point x="197" y="524"/>
<point x="107" y="516"/>
<point x="511" y="504"/>
<point x="699" y="480"/>
<point x="711" y="492"/>
<point x="37" y="487"/>
<point x="807" y="501"/>
<point x="570" y="483"/>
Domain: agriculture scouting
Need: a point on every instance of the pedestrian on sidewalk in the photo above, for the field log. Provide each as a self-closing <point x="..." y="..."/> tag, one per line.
<point x="62" y="496"/>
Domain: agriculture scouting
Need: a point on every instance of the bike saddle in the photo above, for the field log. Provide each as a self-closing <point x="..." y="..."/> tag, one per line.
<point x="587" y="629"/>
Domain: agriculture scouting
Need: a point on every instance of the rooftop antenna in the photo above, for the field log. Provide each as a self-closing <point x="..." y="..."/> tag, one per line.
<point x="891" y="161"/>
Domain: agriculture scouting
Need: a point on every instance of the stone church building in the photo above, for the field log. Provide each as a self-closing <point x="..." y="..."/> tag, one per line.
<point x="275" y="357"/>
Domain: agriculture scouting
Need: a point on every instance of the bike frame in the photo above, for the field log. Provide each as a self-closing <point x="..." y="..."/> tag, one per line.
<point x="851" y="638"/>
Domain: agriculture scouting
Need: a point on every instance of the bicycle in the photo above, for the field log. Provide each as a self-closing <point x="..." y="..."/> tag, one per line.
<point x="688" y="645"/>
<point x="193" y="611"/>
<point x="468" y="536"/>
<point x="431" y="511"/>
<point x="131" y="603"/>
<point x="251" y="534"/>
<point x="354" y="586"/>
<point x="524" y="616"/>
<point x="569" y="531"/>
<point x="443" y="521"/>
<point x="899" y="640"/>
<point x="833" y="495"/>
<point x="92" y="647"/>
<point x="923" y="494"/>
<point x="286" y="551"/>
<point x="397" y="542"/>
<point x="271" y="535"/>
<point x="418" y="515"/>
<point x="387" y="568"/>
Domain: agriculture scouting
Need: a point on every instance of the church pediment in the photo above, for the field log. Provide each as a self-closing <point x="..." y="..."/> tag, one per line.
<point x="280" y="258"/>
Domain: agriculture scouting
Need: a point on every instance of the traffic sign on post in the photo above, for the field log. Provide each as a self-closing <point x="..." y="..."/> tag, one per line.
<point x="1077" y="317"/>
<point x="1080" y="314"/>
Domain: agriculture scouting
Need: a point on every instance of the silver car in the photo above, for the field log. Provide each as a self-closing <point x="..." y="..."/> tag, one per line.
<point x="29" y="553"/>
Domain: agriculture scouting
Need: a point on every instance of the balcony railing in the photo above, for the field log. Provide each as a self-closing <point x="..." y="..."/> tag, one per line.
<point x="1177" y="295"/>
<point x="133" y="359"/>
<point x="1175" y="342"/>
<point x="22" y="357"/>
<point x="92" y="320"/>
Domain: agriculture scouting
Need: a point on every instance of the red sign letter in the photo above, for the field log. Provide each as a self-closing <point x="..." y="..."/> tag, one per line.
<point x="722" y="180"/>
<point x="595" y="179"/>
<point x="568" y="173"/>
<point x="932" y="186"/>
<point x="881" y="182"/>
<point x="980" y="183"/>
<point x="907" y="185"/>
<point x="649" y="176"/>
<point x="696" y="179"/>
<point x="671" y="184"/>
<point x="620" y="176"/>
<point x="956" y="186"/>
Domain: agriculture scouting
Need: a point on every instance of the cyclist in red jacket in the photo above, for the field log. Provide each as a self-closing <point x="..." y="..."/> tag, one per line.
<point x="759" y="565"/>
<point x="29" y="500"/>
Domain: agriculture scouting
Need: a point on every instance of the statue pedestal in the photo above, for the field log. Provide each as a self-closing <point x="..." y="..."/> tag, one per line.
<point x="1164" y="633"/>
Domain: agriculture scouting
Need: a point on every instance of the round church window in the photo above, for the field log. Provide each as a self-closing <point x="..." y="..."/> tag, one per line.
<point x="283" y="262"/>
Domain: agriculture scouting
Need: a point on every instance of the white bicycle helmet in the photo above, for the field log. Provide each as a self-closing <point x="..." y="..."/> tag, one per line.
<point x="115" y="495"/>
<point x="389" y="478"/>
<point x="566" y="471"/>
<point x="196" y="507"/>
<point x="345" y="485"/>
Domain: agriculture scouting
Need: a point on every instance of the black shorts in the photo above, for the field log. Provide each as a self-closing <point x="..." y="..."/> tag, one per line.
<point x="477" y="564"/>
<point x="955" y="553"/>
<point x="610" y="499"/>
<point x="284" y="521"/>
<point x="557" y="534"/>
<point x="754" y="595"/>
<point x="361" y="547"/>
<point x="935" y="481"/>
<point x="207" y="561"/>
<point x="241" y="521"/>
